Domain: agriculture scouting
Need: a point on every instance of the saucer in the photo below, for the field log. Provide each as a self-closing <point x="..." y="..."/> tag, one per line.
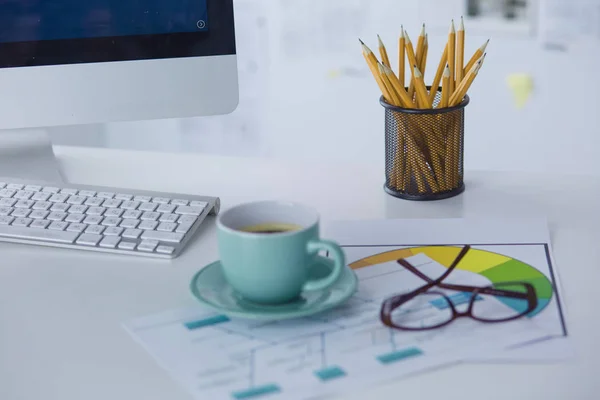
<point x="211" y="288"/>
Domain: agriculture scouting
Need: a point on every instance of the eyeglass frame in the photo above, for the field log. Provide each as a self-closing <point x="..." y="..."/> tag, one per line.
<point x="394" y="302"/>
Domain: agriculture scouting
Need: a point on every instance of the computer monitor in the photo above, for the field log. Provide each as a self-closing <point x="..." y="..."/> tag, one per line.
<point x="69" y="62"/>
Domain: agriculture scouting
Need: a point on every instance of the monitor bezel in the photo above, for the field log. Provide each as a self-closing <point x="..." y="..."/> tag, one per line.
<point x="218" y="40"/>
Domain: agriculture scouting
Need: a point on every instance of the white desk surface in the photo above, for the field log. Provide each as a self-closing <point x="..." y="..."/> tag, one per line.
<point x="61" y="311"/>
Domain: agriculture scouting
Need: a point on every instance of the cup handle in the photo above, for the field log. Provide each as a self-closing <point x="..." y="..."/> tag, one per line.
<point x="339" y="263"/>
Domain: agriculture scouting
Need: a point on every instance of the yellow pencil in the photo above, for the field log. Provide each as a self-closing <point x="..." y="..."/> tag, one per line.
<point x="476" y="56"/>
<point x="445" y="88"/>
<point x="461" y="91"/>
<point x="388" y="85"/>
<point x="383" y="52"/>
<point x="460" y="51"/>
<point x="399" y="89"/>
<point x="418" y="57"/>
<point x="423" y="64"/>
<point x="435" y="85"/>
<point x="452" y="55"/>
<point x="421" y="89"/>
<point x="401" y="56"/>
<point x="372" y="64"/>
<point x="412" y="59"/>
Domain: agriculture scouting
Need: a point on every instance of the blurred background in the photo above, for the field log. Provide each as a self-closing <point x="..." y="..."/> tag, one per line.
<point x="306" y="93"/>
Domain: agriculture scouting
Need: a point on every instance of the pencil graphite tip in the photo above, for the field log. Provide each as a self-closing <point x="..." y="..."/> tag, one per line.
<point x="461" y="27"/>
<point x="447" y="72"/>
<point x="422" y="30"/>
<point x="381" y="69"/>
<point x="365" y="48"/>
<point x="402" y="36"/>
<point x="452" y="29"/>
<point x="484" y="46"/>
<point x="417" y="72"/>
<point x="426" y="40"/>
<point x="379" y="41"/>
<point x="406" y="37"/>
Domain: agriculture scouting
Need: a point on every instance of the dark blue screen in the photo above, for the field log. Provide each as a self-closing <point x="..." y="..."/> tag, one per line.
<point x="33" y="20"/>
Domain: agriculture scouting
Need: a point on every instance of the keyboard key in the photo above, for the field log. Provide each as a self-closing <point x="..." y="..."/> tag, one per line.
<point x="14" y="186"/>
<point x="148" y="245"/>
<point x="6" y="210"/>
<point x="23" y="194"/>
<point x="132" y="233"/>
<point x="38" y="214"/>
<point x="163" y="236"/>
<point x="148" y="206"/>
<point x="57" y="216"/>
<point x="92" y="219"/>
<point x="150" y="216"/>
<point x="105" y="195"/>
<point x="95" y="211"/>
<point x="87" y="193"/>
<point x="94" y="201"/>
<point x="76" y="200"/>
<point x="23" y="222"/>
<point x="165" y="249"/>
<point x="95" y="229"/>
<point x="24" y="204"/>
<point x="130" y="205"/>
<point x="189" y="210"/>
<point x="124" y="197"/>
<point x="133" y="214"/>
<point x="76" y="218"/>
<point x="112" y="203"/>
<point x="169" y="218"/>
<point x="60" y="207"/>
<point x="40" y="223"/>
<point x="6" y="220"/>
<point x="127" y="245"/>
<point x="33" y="188"/>
<point x="20" y="213"/>
<point x="110" y="221"/>
<point x="58" y="226"/>
<point x="74" y="227"/>
<point x="166" y="227"/>
<point x="110" y="242"/>
<point x="42" y="205"/>
<point x="144" y="199"/>
<point x="7" y="192"/>
<point x="38" y="234"/>
<point x="129" y="223"/>
<point x="113" y="231"/>
<point x="180" y="202"/>
<point x="69" y="191"/>
<point x="187" y="219"/>
<point x="160" y="200"/>
<point x="166" y="208"/>
<point x="89" y="239"/>
<point x="41" y="196"/>
<point x="78" y="209"/>
<point x="58" y="198"/>
<point x="50" y="189"/>
<point x="114" y="212"/>
<point x="183" y="228"/>
<point x="197" y="203"/>
<point x="149" y="225"/>
<point x="7" y="202"/>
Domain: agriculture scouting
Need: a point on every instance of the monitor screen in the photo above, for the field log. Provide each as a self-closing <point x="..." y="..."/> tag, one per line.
<point x="50" y="32"/>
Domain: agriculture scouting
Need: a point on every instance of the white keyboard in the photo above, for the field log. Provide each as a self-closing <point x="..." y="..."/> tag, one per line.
<point x="102" y="219"/>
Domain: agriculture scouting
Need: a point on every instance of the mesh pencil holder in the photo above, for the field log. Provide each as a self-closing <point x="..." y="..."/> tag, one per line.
<point x="424" y="151"/>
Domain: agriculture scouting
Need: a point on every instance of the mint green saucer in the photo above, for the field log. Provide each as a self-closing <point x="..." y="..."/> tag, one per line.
<point x="210" y="287"/>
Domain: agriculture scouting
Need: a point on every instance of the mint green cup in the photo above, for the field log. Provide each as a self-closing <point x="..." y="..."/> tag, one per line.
<point x="273" y="268"/>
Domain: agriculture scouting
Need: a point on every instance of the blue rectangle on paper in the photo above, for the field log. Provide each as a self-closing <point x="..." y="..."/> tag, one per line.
<point x="218" y="319"/>
<point x="256" y="392"/>
<point x="399" y="355"/>
<point x="326" y="374"/>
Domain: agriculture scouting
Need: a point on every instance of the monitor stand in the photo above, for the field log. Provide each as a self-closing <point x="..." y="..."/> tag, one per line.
<point x="28" y="154"/>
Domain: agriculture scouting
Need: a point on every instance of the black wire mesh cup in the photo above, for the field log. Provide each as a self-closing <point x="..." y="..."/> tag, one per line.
<point x="424" y="151"/>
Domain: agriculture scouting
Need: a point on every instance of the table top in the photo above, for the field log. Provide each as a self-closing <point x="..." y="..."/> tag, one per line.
<point x="61" y="311"/>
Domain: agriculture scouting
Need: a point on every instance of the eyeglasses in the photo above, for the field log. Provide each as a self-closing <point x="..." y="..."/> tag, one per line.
<point x="424" y="309"/>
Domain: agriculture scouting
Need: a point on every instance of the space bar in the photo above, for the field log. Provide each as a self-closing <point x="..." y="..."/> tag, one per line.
<point x="18" y="232"/>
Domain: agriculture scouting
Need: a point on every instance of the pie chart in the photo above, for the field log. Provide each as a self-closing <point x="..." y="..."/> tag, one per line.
<point x="497" y="268"/>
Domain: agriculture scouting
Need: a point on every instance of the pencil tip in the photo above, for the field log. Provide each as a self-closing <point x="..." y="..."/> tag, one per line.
<point x="423" y="30"/>
<point x="462" y="24"/>
<point x="361" y="42"/>
<point x="380" y="41"/>
<point x="452" y="29"/>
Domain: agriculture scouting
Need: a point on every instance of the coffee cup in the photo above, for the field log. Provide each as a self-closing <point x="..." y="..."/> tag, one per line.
<point x="266" y="250"/>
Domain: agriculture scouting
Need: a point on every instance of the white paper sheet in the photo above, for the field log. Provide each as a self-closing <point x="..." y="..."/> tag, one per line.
<point x="215" y="356"/>
<point x="527" y="241"/>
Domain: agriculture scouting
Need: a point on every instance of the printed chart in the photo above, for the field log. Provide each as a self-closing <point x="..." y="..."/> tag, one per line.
<point x="345" y="349"/>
